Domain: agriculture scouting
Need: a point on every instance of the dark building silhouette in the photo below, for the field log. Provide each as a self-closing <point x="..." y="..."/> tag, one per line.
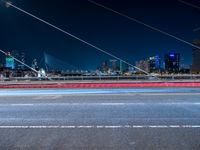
<point x="195" y="68"/>
<point x="172" y="62"/>
<point x="9" y="61"/>
<point x="104" y="66"/>
<point x="22" y="58"/>
<point x="142" y="64"/>
<point x="154" y="64"/>
<point x="114" y="65"/>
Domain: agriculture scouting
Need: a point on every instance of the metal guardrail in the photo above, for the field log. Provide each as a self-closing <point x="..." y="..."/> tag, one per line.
<point x="107" y="78"/>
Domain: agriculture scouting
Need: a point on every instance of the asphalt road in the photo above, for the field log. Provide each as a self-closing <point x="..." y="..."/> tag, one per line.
<point x="102" y="119"/>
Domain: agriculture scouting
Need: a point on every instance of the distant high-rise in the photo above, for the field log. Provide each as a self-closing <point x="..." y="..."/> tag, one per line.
<point x="35" y="64"/>
<point x="143" y="64"/>
<point x="114" y="65"/>
<point x="10" y="62"/>
<point x="172" y="62"/>
<point x="154" y="63"/>
<point x="15" y="54"/>
<point x="104" y="66"/>
<point x="22" y="59"/>
<point x="195" y="68"/>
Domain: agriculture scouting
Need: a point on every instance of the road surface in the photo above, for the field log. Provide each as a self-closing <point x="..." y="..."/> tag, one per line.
<point x="100" y="119"/>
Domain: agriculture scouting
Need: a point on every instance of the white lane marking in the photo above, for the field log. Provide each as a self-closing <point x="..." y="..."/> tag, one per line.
<point x="100" y="127"/>
<point x="113" y="104"/>
<point x="50" y="97"/>
<point x="70" y="104"/>
<point x="96" y="104"/>
<point x="21" y="104"/>
<point x="132" y="143"/>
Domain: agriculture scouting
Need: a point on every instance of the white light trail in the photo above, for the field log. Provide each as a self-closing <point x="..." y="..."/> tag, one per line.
<point x="101" y="127"/>
<point x="101" y="104"/>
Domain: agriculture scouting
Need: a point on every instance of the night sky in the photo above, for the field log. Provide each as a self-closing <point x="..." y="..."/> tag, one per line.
<point x="111" y="32"/>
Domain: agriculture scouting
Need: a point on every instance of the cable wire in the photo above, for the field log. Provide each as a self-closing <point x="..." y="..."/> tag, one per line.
<point x="19" y="61"/>
<point x="189" y="4"/>
<point x="196" y="29"/>
<point x="75" y="37"/>
<point x="194" y="6"/>
<point x="144" y="24"/>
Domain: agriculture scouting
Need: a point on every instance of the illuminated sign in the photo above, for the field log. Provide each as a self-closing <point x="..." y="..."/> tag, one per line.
<point x="10" y="63"/>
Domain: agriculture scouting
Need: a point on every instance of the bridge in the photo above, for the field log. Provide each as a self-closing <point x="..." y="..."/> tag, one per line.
<point x="100" y="112"/>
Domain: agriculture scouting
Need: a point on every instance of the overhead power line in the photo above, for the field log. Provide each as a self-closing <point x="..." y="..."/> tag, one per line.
<point x="144" y="24"/>
<point x="73" y="36"/>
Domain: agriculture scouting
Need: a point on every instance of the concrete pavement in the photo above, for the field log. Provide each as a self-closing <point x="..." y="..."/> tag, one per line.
<point x="142" y="119"/>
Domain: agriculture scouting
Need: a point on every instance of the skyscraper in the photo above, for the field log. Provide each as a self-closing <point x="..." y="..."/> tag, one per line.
<point x="104" y="67"/>
<point x="154" y="63"/>
<point x="114" y="65"/>
<point x="172" y="62"/>
<point x="196" y="58"/>
<point x="35" y="64"/>
<point x="143" y="64"/>
<point x="22" y="58"/>
<point x="10" y="62"/>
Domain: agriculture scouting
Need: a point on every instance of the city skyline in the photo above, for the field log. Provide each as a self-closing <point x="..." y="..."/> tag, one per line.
<point x="113" y="33"/>
<point x="169" y="63"/>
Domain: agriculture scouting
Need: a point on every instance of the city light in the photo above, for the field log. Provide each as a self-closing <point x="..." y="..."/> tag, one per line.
<point x="142" y="93"/>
